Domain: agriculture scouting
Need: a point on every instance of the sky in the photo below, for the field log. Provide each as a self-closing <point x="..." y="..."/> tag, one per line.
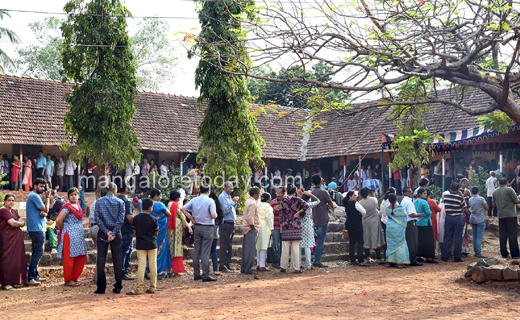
<point x="184" y="82"/>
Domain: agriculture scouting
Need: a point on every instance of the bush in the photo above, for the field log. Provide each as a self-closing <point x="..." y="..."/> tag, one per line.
<point x="478" y="179"/>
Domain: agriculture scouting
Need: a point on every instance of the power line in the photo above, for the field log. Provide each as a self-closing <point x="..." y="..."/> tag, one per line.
<point x="98" y="15"/>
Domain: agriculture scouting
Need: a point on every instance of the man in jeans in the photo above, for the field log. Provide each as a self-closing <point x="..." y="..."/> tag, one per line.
<point x="36" y="226"/>
<point x="491" y="186"/>
<point x="204" y="212"/>
<point x="110" y="215"/>
<point x="320" y="216"/>
<point x="506" y="201"/>
<point x="454" y="205"/>
<point x="227" y="229"/>
<point x="126" y="231"/>
<point x="277" y="237"/>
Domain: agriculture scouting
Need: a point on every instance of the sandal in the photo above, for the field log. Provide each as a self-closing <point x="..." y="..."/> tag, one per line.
<point x="7" y="288"/>
<point x="217" y="273"/>
<point x="298" y="271"/>
<point x="283" y="270"/>
<point x="134" y="293"/>
<point x="401" y="266"/>
<point x="71" y="283"/>
<point x="150" y="292"/>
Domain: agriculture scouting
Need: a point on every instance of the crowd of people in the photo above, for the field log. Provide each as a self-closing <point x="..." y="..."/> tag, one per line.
<point x="283" y="221"/>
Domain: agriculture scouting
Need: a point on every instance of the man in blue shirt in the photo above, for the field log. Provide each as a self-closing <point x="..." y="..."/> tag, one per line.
<point x="333" y="185"/>
<point x="36" y="226"/>
<point x="48" y="169"/>
<point x="227" y="229"/>
<point x="109" y="215"/>
<point x="204" y="212"/>
<point x="40" y="164"/>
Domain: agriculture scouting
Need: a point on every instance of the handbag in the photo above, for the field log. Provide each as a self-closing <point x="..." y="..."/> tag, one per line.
<point x="272" y="252"/>
<point x="345" y="235"/>
<point x="291" y="234"/>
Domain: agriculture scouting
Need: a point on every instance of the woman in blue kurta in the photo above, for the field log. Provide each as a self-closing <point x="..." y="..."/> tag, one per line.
<point x="161" y="213"/>
<point x="396" y="247"/>
<point x="426" y="243"/>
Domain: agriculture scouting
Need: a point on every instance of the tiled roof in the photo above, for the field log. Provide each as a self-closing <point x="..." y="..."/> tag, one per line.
<point x="340" y="133"/>
<point x="32" y="112"/>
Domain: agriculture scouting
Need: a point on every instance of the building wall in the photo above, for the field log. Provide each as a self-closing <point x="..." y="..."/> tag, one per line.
<point x="6" y="149"/>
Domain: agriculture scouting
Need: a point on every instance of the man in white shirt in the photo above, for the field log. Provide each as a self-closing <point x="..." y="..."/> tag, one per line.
<point x="412" y="236"/>
<point x="491" y="185"/>
<point x="164" y="168"/>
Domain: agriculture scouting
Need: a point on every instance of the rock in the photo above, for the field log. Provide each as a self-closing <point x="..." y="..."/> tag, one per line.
<point x="472" y="265"/>
<point x="511" y="273"/>
<point x="470" y="272"/>
<point x="494" y="272"/>
<point x="515" y="262"/>
<point x="478" y="276"/>
<point x="490" y="261"/>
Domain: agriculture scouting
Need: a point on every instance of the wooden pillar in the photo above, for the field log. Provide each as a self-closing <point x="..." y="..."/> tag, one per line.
<point x="181" y="163"/>
<point x="21" y="167"/>
<point x="443" y="173"/>
<point x="344" y="173"/>
<point x="359" y="175"/>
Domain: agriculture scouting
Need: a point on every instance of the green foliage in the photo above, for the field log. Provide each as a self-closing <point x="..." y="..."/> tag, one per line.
<point x="154" y="54"/>
<point x="478" y="179"/>
<point x="2" y="197"/>
<point x="97" y="57"/>
<point x="293" y="94"/>
<point x="412" y="132"/>
<point x="42" y="60"/>
<point x="5" y="61"/>
<point x="498" y="121"/>
<point x="436" y="192"/>
<point x="228" y="132"/>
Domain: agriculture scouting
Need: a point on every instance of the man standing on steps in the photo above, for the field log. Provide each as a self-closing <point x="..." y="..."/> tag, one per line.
<point x="36" y="226"/>
<point x="227" y="229"/>
<point x="491" y="186"/>
<point x="277" y="237"/>
<point x="412" y="236"/>
<point x="250" y="226"/>
<point x="109" y="214"/>
<point x="320" y="216"/>
<point x="126" y="231"/>
<point x="204" y="212"/>
<point x="506" y="201"/>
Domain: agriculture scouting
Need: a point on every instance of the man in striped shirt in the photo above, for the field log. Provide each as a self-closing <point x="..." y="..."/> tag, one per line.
<point x="454" y="205"/>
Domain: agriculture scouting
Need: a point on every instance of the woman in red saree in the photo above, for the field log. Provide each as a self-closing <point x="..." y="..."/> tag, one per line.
<point x="176" y="224"/>
<point x="13" y="264"/>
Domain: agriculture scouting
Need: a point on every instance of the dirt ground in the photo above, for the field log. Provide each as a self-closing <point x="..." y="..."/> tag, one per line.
<point x="340" y="291"/>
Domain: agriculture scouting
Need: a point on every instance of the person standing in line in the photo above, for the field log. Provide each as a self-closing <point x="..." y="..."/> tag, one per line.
<point x="137" y="175"/>
<point x="176" y="224"/>
<point x="70" y="166"/>
<point x="40" y="165"/>
<point x="227" y="229"/>
<point x="265" y="212"/>
<point x="412" y="235"/>
<point x="435" y="209"/>
<point x="354" y="226"/>
<point x="292" y="208"/>
<point x="320" y="217"/>
<point x="373" y="237"/>
<point x="397" y="181"/>
<point x="426" y="240"/>
<point x="60" y="171"/>
<point x="36" y="226"/>
<point x="48" y="170"/>
<point x="110" y="216"/>
<point x="218" y="223"/>
<point x="27" y="173"/>
<point x="448" y="167"/>
<point x="251" y="225"/>
<point x="94" y="228"/>
<point x="204" y="213"/>
<point x="162" y="214"/>
<point x="13" y="263"/>
<point x="478" y="220"/>
<point x="72" y="248"/>
<point x="454" y="206"/>
<point x="146" y="229"/>
<point x="164" y="169"/>
<point x="491" y="186"/>
<point x="126" y="231"/>
<point x="396" y="250"/>
<point x="277" y="239"/>
<point x="506" y="201"/>
<point x="15" y="173"/>
<point x="308" y="241"/>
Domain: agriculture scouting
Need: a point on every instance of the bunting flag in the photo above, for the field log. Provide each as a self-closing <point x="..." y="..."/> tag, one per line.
<point x="458" y="138"/>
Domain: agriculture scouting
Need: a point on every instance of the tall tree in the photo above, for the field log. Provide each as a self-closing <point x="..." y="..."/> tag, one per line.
<point x="5" y="61"/>
<point x="375" y="49"/>
<point x="228" y="133"/>
<point x="154" y="53"/>
<point x="97" y="57"/>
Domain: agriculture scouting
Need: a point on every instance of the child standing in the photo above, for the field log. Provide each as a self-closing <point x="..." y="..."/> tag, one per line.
<point x="478" y="207"/>
<point x="146" y="229"/>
